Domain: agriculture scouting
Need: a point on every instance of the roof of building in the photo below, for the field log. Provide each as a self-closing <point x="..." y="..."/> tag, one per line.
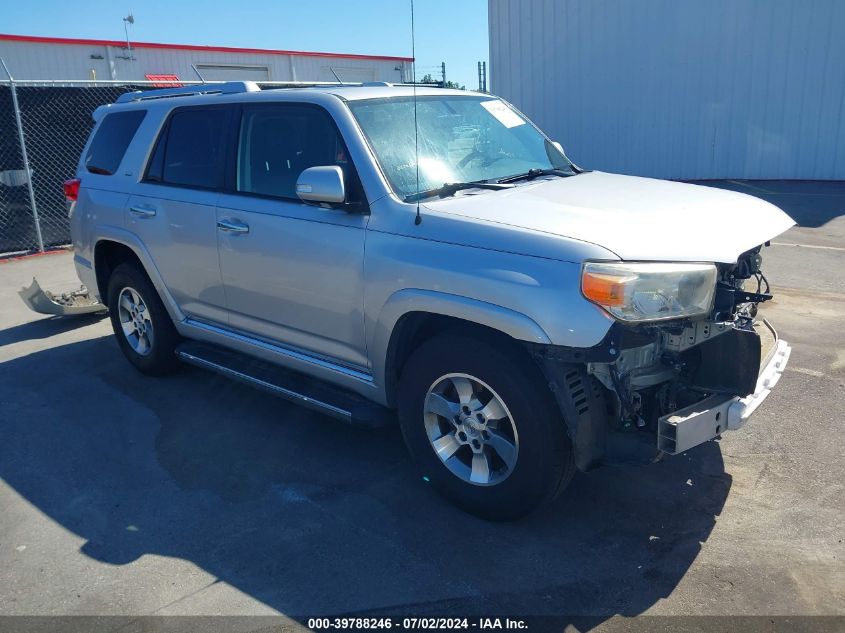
<point x="192" y="47"/>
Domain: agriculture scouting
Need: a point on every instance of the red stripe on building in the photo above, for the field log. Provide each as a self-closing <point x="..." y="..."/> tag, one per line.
<point x="192" y="47"/>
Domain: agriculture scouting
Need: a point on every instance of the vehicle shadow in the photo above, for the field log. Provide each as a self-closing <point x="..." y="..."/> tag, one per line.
<point x="47" y="327"/>
<point x="312" y="517"/>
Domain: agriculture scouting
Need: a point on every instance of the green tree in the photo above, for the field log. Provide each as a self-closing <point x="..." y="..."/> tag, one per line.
<point x="428" y="79"/>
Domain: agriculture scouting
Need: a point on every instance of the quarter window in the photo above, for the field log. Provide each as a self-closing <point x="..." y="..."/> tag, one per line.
<point x="111" y="141"/>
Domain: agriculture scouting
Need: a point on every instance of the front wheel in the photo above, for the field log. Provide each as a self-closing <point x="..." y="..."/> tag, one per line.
<point x="483" y="425"/>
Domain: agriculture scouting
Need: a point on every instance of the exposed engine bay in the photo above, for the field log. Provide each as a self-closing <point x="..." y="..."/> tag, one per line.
<point x="673" y="380"/>
<point x="687" y="360"/>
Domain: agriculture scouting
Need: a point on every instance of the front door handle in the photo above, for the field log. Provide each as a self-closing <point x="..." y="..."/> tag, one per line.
<point x="232" y="226"/>
<point x="143" y="211"/>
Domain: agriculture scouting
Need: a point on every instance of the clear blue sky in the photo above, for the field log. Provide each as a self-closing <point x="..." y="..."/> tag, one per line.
<point x="454" y="31"/>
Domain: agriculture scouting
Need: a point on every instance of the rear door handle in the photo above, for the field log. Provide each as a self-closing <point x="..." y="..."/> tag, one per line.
<point x="232" y="226"/>
<point x="143" y="211"/>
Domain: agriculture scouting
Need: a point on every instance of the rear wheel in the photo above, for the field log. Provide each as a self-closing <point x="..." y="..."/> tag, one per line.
<point x="143" y="328"/>
<point x="482" y="424"/>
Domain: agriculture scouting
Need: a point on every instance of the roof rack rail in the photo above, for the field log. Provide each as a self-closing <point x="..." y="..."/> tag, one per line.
<point x="229" y="87"/>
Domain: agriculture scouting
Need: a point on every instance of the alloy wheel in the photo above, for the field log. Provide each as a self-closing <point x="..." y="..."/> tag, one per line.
<point x="135" y="321"/>
<point x="470" y="429"/>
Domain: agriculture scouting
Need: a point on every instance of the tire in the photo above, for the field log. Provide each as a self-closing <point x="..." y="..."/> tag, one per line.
<point x="153" y="352"/>
<point x="518" y="481"/>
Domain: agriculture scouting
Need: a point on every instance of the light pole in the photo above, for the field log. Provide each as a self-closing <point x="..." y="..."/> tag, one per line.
<point x="129" y="19"/>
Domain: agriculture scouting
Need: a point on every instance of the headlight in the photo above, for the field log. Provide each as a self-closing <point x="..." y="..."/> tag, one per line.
<point x="650" y="291"/>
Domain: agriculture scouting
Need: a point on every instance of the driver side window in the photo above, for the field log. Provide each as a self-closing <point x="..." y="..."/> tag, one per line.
<point x="278" y="142"/>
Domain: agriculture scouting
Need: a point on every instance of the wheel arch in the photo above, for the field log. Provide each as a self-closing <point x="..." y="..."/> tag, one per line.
<point x="410" y="317"/>
<point x="115" y="247"/>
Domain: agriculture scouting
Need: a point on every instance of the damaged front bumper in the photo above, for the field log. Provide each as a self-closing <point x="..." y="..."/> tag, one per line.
<point x="640" y="394"/>
<point x="704" y="420"/>
<point x="664" y="386"/>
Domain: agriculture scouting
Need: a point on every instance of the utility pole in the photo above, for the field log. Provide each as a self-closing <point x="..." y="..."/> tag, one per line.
<point x="443" y="72"/>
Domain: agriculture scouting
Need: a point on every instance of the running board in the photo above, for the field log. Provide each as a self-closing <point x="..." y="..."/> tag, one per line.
<point x="293" y="386"/>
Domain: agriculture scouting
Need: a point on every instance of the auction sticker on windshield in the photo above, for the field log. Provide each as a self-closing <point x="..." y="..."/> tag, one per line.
<point x="503" y="113"/>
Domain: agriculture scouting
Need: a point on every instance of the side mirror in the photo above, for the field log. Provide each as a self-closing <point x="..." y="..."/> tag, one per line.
<point x="558" y="146"/>
<point x="321" y="184"/>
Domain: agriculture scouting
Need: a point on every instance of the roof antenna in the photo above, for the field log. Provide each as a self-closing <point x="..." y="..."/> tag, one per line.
<point x="418" y="218"/>
<point x="335" y="75"/>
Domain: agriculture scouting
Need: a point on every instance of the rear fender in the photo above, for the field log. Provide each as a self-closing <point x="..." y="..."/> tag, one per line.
<point x="130" y="240"/>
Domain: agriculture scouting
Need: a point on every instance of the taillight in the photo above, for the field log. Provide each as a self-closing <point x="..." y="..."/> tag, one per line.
<point x="72" y="189"/>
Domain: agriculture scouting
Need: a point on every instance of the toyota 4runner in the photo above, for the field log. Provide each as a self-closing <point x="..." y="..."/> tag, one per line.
<point x="368" y="248"/>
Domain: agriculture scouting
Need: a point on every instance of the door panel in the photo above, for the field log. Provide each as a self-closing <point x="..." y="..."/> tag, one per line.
<point x="296" y="276"/>
<point x="293" y="272"/>
<point x="178" y="227"/>
<point x="173" y="209"/>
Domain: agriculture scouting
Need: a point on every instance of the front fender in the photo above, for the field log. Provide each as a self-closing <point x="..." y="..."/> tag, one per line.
<point x="409" y="300"/>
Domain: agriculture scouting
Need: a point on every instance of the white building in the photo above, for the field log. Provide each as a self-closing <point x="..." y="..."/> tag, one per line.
<point x="52" y="58"/>
<point x="716" y="89"/>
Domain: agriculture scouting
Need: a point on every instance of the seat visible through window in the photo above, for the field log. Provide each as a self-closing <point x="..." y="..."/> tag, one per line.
<point x="279" y="142"/>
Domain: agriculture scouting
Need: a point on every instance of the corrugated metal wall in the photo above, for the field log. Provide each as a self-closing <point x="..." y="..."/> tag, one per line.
<point x="38" y="60"/>
<point x="680" y="88"/>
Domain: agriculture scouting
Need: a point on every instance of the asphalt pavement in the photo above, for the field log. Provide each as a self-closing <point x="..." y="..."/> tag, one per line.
<point x="191" y="494"/>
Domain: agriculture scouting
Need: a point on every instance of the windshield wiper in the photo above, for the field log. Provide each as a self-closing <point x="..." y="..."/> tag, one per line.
<point x="451" y="188"/>
<point x="531" y="174"/>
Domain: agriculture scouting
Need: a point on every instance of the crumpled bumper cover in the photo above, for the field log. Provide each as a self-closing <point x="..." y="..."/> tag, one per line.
<point x="67" y="304"/>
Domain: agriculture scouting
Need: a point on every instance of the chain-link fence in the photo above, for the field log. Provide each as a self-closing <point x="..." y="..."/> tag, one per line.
<point x="42" y="132"/>
<point x="43" y="129"/>
<point x="17" y="228"/>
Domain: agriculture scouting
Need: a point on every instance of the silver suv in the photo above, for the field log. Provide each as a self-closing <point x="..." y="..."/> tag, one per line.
<point x="376" y="248"/>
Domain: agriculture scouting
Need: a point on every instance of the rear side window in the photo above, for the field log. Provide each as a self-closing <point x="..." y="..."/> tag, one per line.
<point x="190" y="151"/>
<point x="111" y="140"/>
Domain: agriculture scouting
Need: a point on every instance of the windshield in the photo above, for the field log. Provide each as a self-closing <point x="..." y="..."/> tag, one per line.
<point x="461" y="139"/>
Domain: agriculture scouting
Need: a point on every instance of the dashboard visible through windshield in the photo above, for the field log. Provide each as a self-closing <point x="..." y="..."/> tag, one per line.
<point x="460" y="139"/>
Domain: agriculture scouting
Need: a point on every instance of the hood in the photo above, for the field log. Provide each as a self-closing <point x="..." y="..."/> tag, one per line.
<point x="635" y="218"/>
